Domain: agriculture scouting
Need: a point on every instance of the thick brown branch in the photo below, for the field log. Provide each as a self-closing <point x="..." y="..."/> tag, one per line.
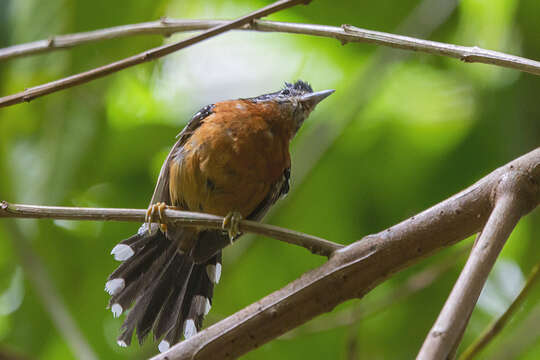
<point x="37" y="91"/>
<point x="345" y="34"/>
<point x="512" y="196"/>
<point x="314" y="244"/>
<point x="355" y="314"/>
<point x="354" y="270"/>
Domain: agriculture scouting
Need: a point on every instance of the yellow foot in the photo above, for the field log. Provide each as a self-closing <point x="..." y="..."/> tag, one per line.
<point x="231" y="223"/>
<point x="159" y="207"/>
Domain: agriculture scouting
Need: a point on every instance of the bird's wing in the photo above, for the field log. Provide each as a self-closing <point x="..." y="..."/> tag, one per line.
<point x="212" y="241"/>
<point x="278" y="190"/>
<point x="161" y="191"/>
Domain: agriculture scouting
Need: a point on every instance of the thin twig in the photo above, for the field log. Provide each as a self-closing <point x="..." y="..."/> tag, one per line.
<point x="356" y="269"/>
<point x="494" y="329"/>
<point x="163" y="27"/>
<point x="70" y="81"/>
<point x="425" y="18"/>
<point x="345" y="34"/>
<point x="467" y="54"/>
<point x="511" y="202"/>
<point x="314" y="244"/>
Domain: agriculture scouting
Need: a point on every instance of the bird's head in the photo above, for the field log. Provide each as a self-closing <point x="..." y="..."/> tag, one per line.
<point x="296" y="101"/>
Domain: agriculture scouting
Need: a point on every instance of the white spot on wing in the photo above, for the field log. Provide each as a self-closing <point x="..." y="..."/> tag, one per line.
<point x="189" y="328"/>
<point x="117" y="310"/>
<point x="122" y="252"/>
<point x="164" y="346"/>
<point x="114" y="286"/>
<point x="240" y="106"/>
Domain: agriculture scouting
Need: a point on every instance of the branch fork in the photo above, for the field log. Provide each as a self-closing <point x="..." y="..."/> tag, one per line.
<point x="494" y="204"/>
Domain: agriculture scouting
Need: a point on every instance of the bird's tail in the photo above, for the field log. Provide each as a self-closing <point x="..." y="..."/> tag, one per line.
<point x="169" y="292"/>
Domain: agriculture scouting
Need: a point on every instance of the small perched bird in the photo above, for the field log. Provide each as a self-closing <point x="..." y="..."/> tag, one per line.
<point x="232" y="159"/>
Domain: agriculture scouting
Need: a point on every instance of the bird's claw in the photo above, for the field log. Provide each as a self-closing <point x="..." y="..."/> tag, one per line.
<point x="160" y="208"/>
<point x="231" y="223"/>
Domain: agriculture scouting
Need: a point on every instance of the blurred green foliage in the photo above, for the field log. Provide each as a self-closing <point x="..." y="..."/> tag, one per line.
<point x="419" y="129"/>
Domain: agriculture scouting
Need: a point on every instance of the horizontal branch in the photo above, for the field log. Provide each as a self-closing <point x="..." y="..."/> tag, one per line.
<point x="156" y="53"/>
<point x="356" y="269"/>
<point x="345" y="34"/>
<point x="163" y="27"/>
<point x="467" y="54"/>
<point x="314" y="244"/>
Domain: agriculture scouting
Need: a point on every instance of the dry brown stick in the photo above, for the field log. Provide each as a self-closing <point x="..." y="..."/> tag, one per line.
<point x="469" y="54"/>
<point x="496" y="327"/>
<point x="314" y="244"/>
<point x="345" y="33"/>
<point x="37" y="91"/>
<point x="410" y="286"/>
<point x="512" y="200"/>
<point x="163" y="27"/>
<point x="356" y="269"/>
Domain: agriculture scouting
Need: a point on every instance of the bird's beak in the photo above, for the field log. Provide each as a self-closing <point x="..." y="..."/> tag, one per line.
<point x="313" y="99"/>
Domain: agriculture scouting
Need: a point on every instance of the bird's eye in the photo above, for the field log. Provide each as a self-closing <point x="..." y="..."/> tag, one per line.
<point x="285" y="92"/>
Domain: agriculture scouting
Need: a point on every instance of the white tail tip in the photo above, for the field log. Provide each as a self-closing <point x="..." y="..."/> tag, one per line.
<point x="122" y="252"/>
<point x="207" y="307"/>
<point x="117" y="310"/>
<point x="142" y="229"/>
<point x="163" y="346"/>
<point x="114" y="286"/>
<point x="121" y="343"/>
<point x="214" y="272"/>
<point x="189" y="329"/>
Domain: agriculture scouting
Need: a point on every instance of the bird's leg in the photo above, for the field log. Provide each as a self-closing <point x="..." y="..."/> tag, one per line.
<point x="231" y="223"/>
<point x="160" y="208"/>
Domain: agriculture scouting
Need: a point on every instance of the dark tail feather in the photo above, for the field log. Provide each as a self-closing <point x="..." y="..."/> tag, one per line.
<point x="170" y="292"/>
<point x="190" y="311"/>
<point x="132" y="275"/>
<point x="171" y="309"/>
<point x="145" y="282"/>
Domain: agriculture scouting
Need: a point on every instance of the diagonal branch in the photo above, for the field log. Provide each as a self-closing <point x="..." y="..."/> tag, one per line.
<point x="488" y="335"/>
<point x="345" y="34"/>
<point x="512" y="199"/>
<point x="351" y="271"/>
<point x="70" y="81"/>
<point x="355" y="314"/>
<point x="314" y="244"/>
<point x="355" y="270"/>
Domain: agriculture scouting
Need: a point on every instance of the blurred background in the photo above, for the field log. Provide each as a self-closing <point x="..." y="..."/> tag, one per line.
<point x="402" y="132"/>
